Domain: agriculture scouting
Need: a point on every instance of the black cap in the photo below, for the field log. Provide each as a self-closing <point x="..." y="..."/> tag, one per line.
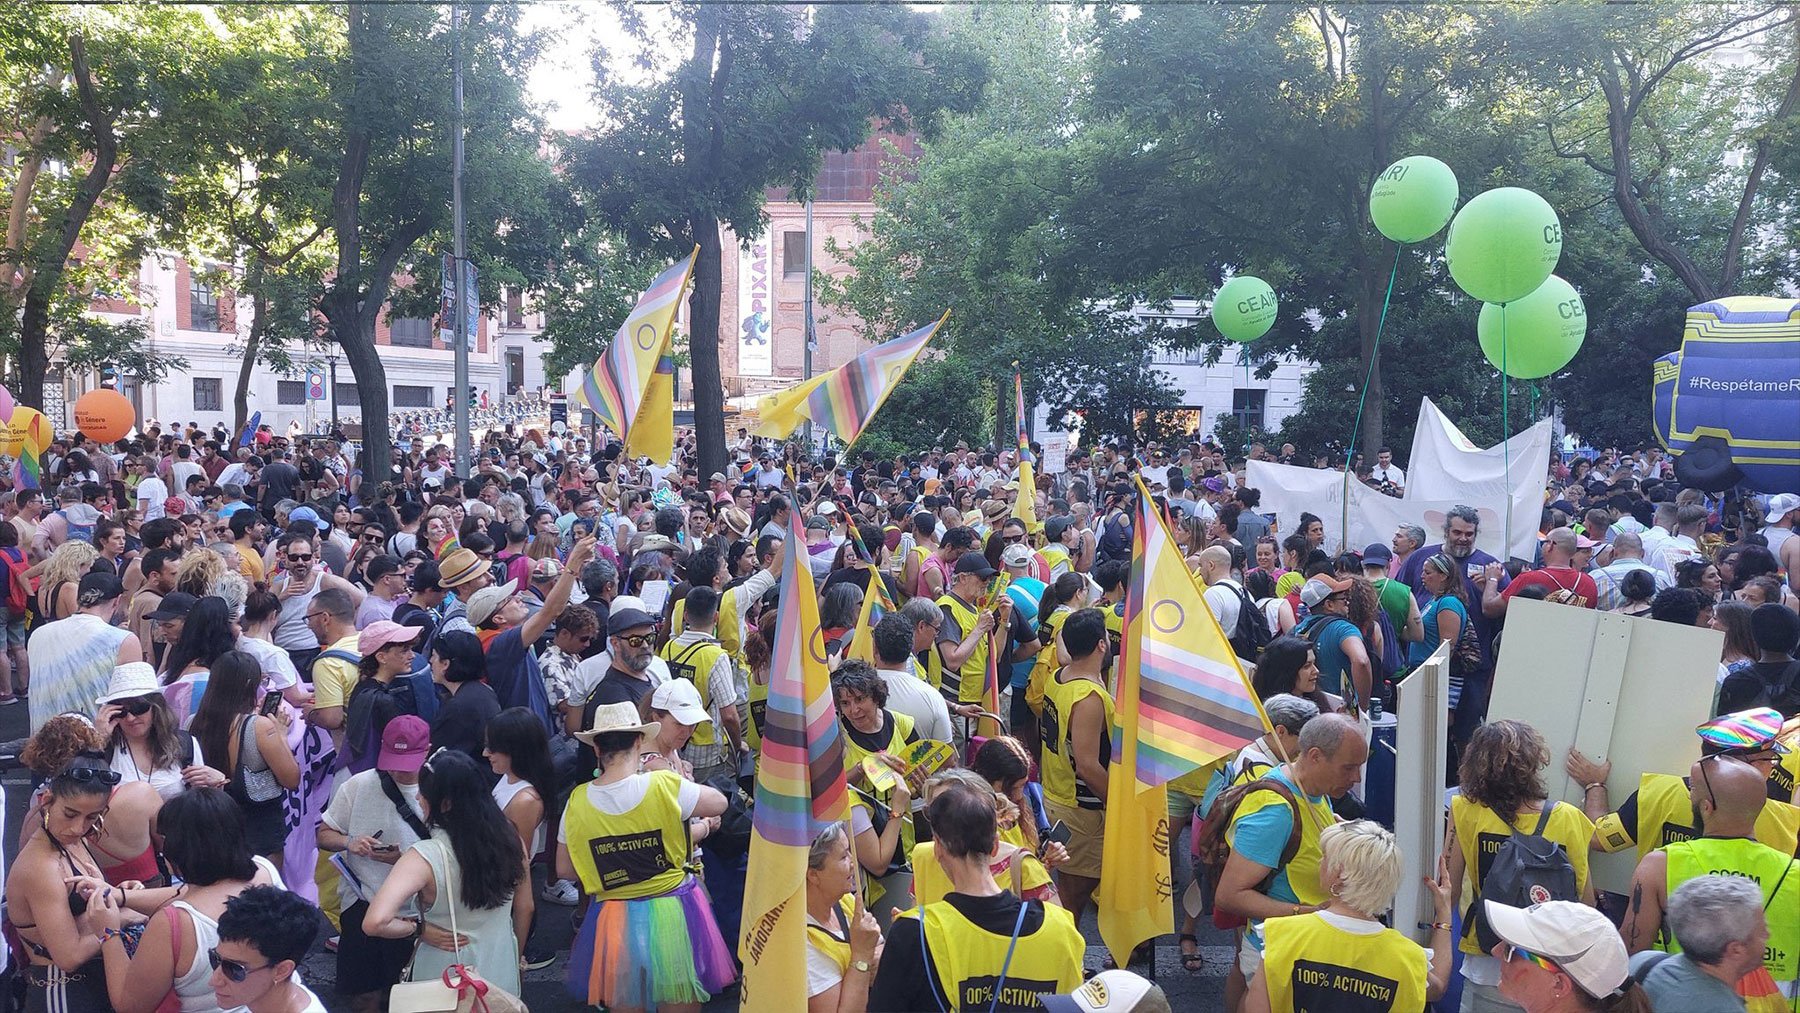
<point x="175" y="604"/>
<point x="96" y="588"/>
<point x="976" y="563"/>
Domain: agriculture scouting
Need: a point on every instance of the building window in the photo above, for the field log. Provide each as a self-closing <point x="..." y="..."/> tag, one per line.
<point x="793" y="254"/>
<point x="290" y="392"/>
<point x="410" y="332"/>
<point x="1247" y="407"/>
<point x="515" y="308"/>
<point x="347" y="394"/>
<point x="208" y="394"/>
<point x="203" y="309"/>
<point x="412" y="397"/>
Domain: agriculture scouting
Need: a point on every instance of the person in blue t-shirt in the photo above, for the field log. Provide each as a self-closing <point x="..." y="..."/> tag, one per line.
<point x="1343" y="658"/>
<point x="507" y="630"/>
<point x="1025" y="592"/>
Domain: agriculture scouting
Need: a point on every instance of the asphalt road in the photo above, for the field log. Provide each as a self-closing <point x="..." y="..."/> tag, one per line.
<point x="544" y="988"/>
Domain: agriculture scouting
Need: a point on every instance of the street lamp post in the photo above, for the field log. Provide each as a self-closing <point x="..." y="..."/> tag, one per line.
<point x="460" y="255"/>
<point x="331" y="357"/>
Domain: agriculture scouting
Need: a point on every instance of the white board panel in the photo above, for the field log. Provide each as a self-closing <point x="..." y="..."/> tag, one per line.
<point x="1628" y="690"/>
<point x="1421" y="740"/>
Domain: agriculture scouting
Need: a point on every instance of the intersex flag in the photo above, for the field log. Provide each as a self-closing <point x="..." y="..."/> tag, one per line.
<point x="1183" y="702"/>
<point x="851" y="394"/>
<point x="620" y="388"/>
<point x="799" y="792"/>
<point x="876" y="604"/>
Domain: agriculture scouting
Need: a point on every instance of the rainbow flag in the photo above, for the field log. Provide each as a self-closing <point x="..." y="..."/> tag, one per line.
<point x="26" y="469"/>
<point x="876" y="604"/>
<point x="1182" y="702"/>
<point x="778" y="414"/>
<point x="616" y="386"/>
<point x="799" y="791"/>
<point x="1025" y="501"/>
<point x="851" y="394"/>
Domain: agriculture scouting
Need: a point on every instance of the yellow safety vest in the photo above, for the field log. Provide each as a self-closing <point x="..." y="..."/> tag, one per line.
<point x="967" y="959"/>
<point x="1056" y="762"/>
<point x="1048" y="630"/>
<point x="855" y="753"/>
<point x="1665" y="814"/>
<point x="835" y="945"/>
<point x="931" y="883"/>
<point x="971" y="675"/>
<point x="640" y="853"/>
<point x="1479" y="832"/>
<point x="1302" y="872"/>
<point x="1057" y="555"/>
<point x="1315" y="967"/>
<point x="695" y="663"/>
<point x="1769" y="869"/>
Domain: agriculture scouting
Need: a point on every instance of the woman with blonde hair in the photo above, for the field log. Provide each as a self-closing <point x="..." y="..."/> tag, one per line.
<point x="1502" y="792"/>
<point x="62" y="574"/>
<point x="1322" y="959"/>
<point x="198" y="573"/>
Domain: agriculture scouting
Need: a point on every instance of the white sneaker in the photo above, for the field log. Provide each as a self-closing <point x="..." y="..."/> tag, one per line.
<point x="562" y="892"/>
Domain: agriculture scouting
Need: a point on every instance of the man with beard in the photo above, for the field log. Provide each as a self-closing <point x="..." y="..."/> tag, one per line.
<point x="1461" y="525"/>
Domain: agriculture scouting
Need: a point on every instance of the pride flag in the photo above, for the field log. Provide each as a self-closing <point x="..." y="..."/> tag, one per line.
<point x="851" y="394"/>
<point x="799" y="791"/>
<point x="619" y="386"/>
<point x="1025" y="502"/>
<point x="1182" y="702"/>
<point x="876" y="604"/>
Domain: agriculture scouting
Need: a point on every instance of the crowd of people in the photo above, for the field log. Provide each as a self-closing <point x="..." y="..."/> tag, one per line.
<point x="269" y="701"/>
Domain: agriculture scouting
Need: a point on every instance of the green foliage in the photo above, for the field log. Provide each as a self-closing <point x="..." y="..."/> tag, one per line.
<point x="587" y="294"/>
<point x="940" y="401"/>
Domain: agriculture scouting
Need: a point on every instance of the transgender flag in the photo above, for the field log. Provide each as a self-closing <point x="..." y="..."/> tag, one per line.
<point x="854" y="392"/>
<point x="614" y="387"/>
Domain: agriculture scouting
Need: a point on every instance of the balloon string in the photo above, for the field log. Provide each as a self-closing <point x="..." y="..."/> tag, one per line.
<point x="1363" y="396"/>
<point x="1506" y="437"/>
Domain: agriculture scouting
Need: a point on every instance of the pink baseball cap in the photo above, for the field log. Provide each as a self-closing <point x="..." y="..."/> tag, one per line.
<point x="404" y="744"/>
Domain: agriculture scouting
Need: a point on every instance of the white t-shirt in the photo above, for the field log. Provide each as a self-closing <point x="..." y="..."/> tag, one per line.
<point x="621" y="797"/>
<point x="277" y="666"/>
<point x="166" y="780"/>
<point x="360" y="808"/>
<point x="181" y="471"/>
<point x="152" y="493"/>
<point x="234" y="474"/>
<point x="914" y="697"/>
<point x="1225" y="603"/>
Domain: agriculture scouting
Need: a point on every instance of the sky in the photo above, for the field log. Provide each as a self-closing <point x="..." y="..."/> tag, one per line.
<point x="562" y="81"/>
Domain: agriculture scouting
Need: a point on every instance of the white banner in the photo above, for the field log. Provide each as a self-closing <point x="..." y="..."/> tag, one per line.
<point x="1288" y="491"/>
<point x="756" y="308"/>
<point x="1446" y="466"/>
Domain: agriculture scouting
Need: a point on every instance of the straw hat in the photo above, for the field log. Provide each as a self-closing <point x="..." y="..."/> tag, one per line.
<point x="616" y="717"/>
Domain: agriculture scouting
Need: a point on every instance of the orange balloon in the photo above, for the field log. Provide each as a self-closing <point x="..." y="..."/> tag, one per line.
<point x="104" y="415"/>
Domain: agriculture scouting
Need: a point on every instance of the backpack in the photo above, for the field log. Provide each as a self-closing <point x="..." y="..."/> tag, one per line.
<point x="1252" y="632"/>
<point x="1309" y="630"/>
<point x="18" y="599"/>
<point x="1527" y="869"/>
<point x="77" y="532"/>
<point x="1211" y="850"/>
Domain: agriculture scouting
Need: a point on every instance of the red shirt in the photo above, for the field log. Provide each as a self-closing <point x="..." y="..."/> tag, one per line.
<point x="1566" y="586"/>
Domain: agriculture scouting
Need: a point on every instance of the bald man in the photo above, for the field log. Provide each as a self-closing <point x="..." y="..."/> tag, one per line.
<point x="1561" y="576"/>
<point x="1727" y="795"/>
<point x="1226" y="597"/>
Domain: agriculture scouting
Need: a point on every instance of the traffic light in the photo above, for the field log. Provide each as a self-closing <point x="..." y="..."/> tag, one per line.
<point x="109" y="375"/>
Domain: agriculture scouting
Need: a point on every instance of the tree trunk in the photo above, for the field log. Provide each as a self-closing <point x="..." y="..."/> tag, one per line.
<point x="703" y="345"/>
<point x="1368" y="326"/>
<point x="259" y="303"/>
<point x="372" y="395"/>
<point x="34" y="322"/>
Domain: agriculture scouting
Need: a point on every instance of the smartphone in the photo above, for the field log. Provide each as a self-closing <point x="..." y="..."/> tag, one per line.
<point x="271" y="702"/>
<point x="1059" y="833"/>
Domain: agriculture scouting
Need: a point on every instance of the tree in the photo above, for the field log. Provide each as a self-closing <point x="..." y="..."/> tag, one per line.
<point x="118" y="104"/>
<point x="587" y="294"/>
<point x="392" y="109"/>
<point x="759" y="94"/>
<point x="1640" y="97"/>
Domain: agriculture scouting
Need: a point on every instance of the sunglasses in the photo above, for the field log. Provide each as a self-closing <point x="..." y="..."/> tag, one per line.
<point x="1530" y="957"/>
<point x="637" y="640"/>
<point x="1012" y="539"/>
<point x="236" y="970"/>
<point x="299" y="559"/>
<point x="85" y="774"/>
<point x="136" y="708"/>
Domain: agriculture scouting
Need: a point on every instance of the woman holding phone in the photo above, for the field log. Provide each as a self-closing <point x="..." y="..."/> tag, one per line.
<point x="233" y="725"/>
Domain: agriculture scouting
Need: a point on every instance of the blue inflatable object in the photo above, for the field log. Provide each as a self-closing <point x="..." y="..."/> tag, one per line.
<point x="1727" y="404"/>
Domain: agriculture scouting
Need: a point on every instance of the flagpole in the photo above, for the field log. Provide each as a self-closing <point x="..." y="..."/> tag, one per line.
<point x="460" y="257"/>
<point x="806" y="337"/>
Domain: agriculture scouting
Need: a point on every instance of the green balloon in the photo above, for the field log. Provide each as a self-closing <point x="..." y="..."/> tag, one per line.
<point x="1244" y="308"/>
<point x="1543" y="331"/>
<point x="1503" y="244"/>
<point x="1413" y="199"/>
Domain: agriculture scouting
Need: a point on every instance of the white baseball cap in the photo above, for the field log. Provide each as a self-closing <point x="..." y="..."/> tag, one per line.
<point x="1780" y="505"/>
<point x="681" y="699"/>
<point x="1115" y="991"/>
<point x="1574" y="937"/>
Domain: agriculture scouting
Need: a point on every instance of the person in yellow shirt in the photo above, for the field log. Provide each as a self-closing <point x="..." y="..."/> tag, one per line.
<point x="1502" y="792"/>
<point x="1341" y="956"/>
<point x="1076" y="750"/>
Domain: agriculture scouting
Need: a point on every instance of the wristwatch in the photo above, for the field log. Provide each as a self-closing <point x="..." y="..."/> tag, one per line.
<point x="860" y="965"/>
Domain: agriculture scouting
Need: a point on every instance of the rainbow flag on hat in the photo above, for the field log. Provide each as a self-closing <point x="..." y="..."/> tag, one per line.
<point x="851" y="394"/>
<point x="799" y="792"/>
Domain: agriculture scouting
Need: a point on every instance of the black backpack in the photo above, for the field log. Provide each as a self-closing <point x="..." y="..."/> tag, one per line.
<point x="1252" y="632"/>
<point x="1527" y="869"/>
